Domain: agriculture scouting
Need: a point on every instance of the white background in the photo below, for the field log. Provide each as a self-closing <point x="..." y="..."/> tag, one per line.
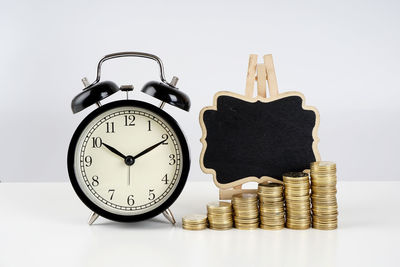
<point x="342" y="55"/>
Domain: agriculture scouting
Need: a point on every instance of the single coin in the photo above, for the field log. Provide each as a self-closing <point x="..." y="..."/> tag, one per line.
<point x="219" y="206"/>
<point x="194" y="218"/>
<point x="323" y="164"/>
<point x="270" y="227"/>
<point x="221" y="228"/>
<point x="194" y="227"/>
<point x="245" y="196"/>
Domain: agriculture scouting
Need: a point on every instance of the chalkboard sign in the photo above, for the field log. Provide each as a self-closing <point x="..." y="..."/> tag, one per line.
<point x="258" y="138"/>
<point x="248" y="138"/>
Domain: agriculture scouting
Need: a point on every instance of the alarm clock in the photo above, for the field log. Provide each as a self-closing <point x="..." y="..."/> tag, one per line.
<point x="128" y="160"/>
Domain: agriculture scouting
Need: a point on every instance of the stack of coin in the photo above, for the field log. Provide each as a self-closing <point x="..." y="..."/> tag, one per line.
<point x="219" y="215"/>
<point x="245" y="206"/>
<point x="272" y="214"/>
<point x="323" y="195"/>
<point x="194" y="222"/>
<point x="297" y="196"/>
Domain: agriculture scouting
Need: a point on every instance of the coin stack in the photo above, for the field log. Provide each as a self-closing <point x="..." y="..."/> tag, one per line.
<point x="245" y="206"/>
<point x="272" y="214"/>
<point x="323" y="196"/>
<point x="219" y="215"/>
<point x="297" y="195"/>
<point x="194" y="222"/>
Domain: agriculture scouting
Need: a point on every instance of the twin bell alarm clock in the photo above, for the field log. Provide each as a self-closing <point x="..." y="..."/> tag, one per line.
<point x="128" y="160"/>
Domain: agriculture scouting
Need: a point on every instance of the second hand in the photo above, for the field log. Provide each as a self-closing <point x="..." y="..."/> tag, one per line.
<point x="129" y="175"/>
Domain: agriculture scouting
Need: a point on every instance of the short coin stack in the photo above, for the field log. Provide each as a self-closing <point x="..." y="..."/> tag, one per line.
<point x="194" y="222"/>
<point x="323" y="197"/>
<point x="219" y="215"/>
<point x="272" y="214"/>
<point x="297" y="195"/>
<point x="245" y="206"/>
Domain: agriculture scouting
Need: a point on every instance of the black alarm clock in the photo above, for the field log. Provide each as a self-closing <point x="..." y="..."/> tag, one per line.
<point x="128" y="160"/>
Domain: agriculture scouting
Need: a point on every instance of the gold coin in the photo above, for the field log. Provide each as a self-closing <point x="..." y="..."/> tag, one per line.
<point x="246" y="211"/>
<point x="325" y="227"/>
<point x="330" y="221"/>
<point x="323" y="165"/>
<point x="273" y="223"/>
<point x="245" y="205"/>
<point x="246" y="221"/>
<point x="247" y="227"/>
<point x="220" y="216"/>
<point x="298" y="227"/>
<point x="219" y="207"/>
<point x="325" y="183"/>
<point x="270" y="189"/>
<point x="221" y="228"/>
<point x="270" y="185"/>
<point x="323" y="195"/>
<point x="317" y="203"/>
<point x="298" y="191"/>
<point x="325" y="207"/>
<point x="269" y="227"/>
<point x="194" y="218"/>
<point x="327" y="224"/>
<point x="299" y="222"/>
<point x="297" y="206"/>
<point x="272" y="211"/>
<point x="272" y="216"/>
<point x="220" y="221"/>
<point x="194" y="227"/>
<point x="326" y="216"/>
<point x="295" y="177"/>
<point x="245" y="196"/>
<point x="271" y="199"/>
<point x="320" y="172"/>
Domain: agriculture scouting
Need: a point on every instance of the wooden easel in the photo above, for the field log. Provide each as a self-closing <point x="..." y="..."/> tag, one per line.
<point x="262" y="73"/>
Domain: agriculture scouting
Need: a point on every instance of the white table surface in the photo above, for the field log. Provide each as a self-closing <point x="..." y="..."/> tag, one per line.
<point x="44" y="224"/>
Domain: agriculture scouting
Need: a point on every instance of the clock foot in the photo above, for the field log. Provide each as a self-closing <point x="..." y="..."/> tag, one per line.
<point x="93" y="217"/>
<point x="170" y="217"/>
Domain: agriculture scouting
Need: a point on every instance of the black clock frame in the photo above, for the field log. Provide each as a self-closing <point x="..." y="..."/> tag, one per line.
<point x="185" y="161"/>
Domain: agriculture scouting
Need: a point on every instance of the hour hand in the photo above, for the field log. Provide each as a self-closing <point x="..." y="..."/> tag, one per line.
<point x="114" y="151"/>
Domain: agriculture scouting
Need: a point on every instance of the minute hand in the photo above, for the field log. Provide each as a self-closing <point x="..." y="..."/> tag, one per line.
<point x="148" y="149"/>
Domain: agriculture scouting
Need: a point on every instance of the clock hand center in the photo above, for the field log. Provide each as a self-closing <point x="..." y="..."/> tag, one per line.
<point x="129" y="160"/>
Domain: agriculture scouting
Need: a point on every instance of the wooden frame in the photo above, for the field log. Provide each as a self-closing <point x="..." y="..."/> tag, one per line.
<point x="265" y="72"/>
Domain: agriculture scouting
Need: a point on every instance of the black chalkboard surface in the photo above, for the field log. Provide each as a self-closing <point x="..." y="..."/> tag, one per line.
<point x="252" y="139"/>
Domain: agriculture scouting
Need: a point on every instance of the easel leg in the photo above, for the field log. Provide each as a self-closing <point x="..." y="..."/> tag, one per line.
<point x="93" y="217"/>
<point x="169" y="216"/>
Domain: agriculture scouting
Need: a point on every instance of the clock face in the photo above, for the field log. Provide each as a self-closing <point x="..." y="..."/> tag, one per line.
<point x="128" y="160"/>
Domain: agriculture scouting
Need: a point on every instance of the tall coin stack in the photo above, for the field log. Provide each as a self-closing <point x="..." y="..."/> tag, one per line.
<point x="272" y="214"/>
<point x="219" y="215"/>
<point x="245" y="206"/>
<point x="297" y="195"/>
<point x="323" y="197"/>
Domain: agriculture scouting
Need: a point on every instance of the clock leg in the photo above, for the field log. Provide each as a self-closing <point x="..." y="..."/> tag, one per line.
<point x="93" y="217"/>
<point x="170" y="217"/>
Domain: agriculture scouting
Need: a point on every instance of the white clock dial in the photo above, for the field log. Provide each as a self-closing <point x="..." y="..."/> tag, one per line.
<point x="128" y="160"/>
